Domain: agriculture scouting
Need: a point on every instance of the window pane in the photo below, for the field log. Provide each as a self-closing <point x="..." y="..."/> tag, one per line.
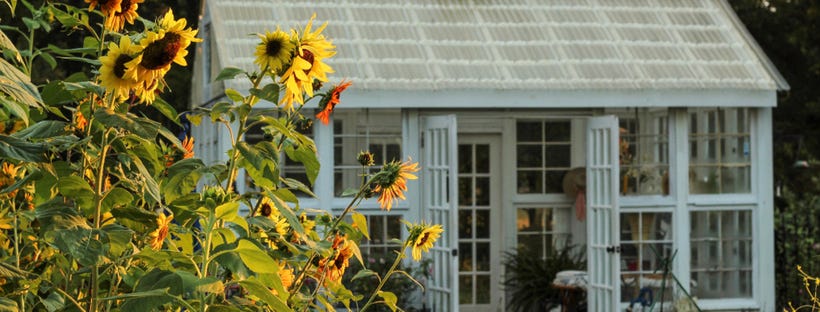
<point x="375" y="130"/>
<point x="720" y="156"/>
<point x="536" y="230"/>
<point x="643" y="150"/>
<point x="541" y="164"/>
<point x="529" y="131"/>
<point x="721" y="253"/>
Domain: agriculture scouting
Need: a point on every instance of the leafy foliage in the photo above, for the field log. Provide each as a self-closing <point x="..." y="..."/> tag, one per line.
<point x="529" y="277"/>
<point x="104" y="209"/>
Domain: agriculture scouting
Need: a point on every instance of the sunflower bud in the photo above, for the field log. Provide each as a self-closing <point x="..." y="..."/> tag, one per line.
<point x="365" y="158"/>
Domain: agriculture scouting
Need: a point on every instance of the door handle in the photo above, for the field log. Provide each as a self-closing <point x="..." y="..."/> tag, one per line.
<point x="615" y="249"/>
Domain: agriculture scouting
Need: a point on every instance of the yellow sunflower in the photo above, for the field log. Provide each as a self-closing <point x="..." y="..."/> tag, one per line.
<point x="8" y="176"/>
<point x="275" y="50"/>
<point x="80" y="122"/>
<point x="391" y="182"/>
<point x="106" y="6"/>
<point x="157" y="237"/>
<point x="113" y="72"/>
<point x="286" y="275"/>
<point x="307" y="65"/>
<point x="427" y="235"/>
<point x="159" y="49"/>
<point x="127" y="13"/>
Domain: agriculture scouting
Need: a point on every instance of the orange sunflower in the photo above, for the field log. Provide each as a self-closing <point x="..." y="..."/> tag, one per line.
<point x="188" y="144"/>
<point x="157" y="237"/>
<point x="80" y="122"/>
<point x="307" y="65"/>
<point x="127" y="13"/>
<point x="333" y="267"/>
<point x="330" y="101"/>
<point x="391" y="182"/>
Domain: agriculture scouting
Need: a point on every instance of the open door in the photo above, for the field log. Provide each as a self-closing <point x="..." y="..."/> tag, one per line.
<point x="439" y="193"/>
<point x="603" y="242"/>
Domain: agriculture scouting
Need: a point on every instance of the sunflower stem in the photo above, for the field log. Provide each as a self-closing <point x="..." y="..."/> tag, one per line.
<point x="399" y="257"/>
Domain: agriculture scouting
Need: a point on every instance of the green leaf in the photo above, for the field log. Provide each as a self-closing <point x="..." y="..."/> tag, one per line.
<point x="52" y="63"/>
<point x="306" y="156"/>
<point x="234" y="95"/>
<point x="117" y="197"/>
<point x="8" y="305"/>
<point x="228" y="73"/>
<point x="269" y="92"/>
<point x="166" y="110"/>
<point x="150" y="184"/>
<point x="222" y="308"/>
<point x="256" y="289"/>
<point x="79" y="243"/>
<point x="135" y="214"/>
<point x="53" y="302"/>
<point x="230" y="213"/>
<point x="118" y="238"/>
<point x="112" y="119"/>
<point x="16" y="108"/>
<point x="41" y="130"/>
<point x="54" y="93"/>
<point x="6" y="44"/>
<point x="349" y="192"/>
<point x="364" y="273"/>
<point x="18" y="86"/>
<point x="79" y="190"/>
<point x="298" y="185"/>
<point x="14" y="148"/>
<point x="182" y="178"/>
<point x="390" y="299"/>
<point x="360" y="221"/>
<point x="288" y="213"/>
<point x="255" y="258"/>
<point x="149" y="300"/>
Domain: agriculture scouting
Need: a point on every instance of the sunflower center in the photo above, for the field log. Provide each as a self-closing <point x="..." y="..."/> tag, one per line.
<point x="125" y="5"/>
<point x="119" y="65"/>
<point x="307" y="56"/>
<point x="273" y="47"/>
<point x="162" y="52"/>
<point x="266" y="210"/>
<point x="423" y="240"/>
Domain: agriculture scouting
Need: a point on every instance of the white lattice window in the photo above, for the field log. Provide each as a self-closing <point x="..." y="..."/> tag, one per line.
<point x="542" y="155"/>
<point x="720" y="151"/>
<point x="721" y="254"/>
<point x="538" y="231"/>
<point x="646" y="240"/>
<point x="384" y="230"/>
<point x="354" y="131"/>
<point x="644" y="150"/>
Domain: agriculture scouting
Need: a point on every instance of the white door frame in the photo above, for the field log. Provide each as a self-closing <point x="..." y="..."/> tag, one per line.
<point x="496" y="210"/>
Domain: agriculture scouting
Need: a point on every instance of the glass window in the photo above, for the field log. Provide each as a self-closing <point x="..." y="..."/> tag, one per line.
<point x="542" y="155"/>
<point x="383" y="229"/>
<point x="720" y="151"/>
<point x="537" y="231"/>
<point x="646" y="240"/>
<point x="721" y="262"/>
<point x="354" y="131"/>
<point x="644" y="150"/>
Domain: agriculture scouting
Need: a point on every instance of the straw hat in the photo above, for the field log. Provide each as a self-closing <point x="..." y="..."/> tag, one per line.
<point x="574" y="180"/>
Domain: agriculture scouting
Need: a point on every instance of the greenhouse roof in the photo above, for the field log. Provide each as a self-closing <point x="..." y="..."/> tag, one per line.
<point x="512" y="44"/>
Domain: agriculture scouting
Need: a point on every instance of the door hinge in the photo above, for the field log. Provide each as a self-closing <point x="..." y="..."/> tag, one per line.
<point x="455" y="252"/>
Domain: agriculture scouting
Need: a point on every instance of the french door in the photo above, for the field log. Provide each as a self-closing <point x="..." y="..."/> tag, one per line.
<point x="479" y="223"/>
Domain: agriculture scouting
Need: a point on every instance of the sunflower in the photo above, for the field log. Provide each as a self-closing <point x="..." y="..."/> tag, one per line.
<point x="159" y="49"/>
<point x="365" y="158"/>
<point x="391" y="182"/>
<point x="330" y="101"/>
<point x="333" y="267"/>
<point x="113" y="72"/>
<point x="188" y="144"/>
<point x="8" y="176"/>
<point x="423" y="241"/>
<point x="286" y="275"/>
<point x="80" y="122"/>
<point x="158" y="236"/>
<point x="307" y="65"/>
<point x="106" y="6"/>
<point x="275" y="50"/>
<point x="127" y="13"/>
